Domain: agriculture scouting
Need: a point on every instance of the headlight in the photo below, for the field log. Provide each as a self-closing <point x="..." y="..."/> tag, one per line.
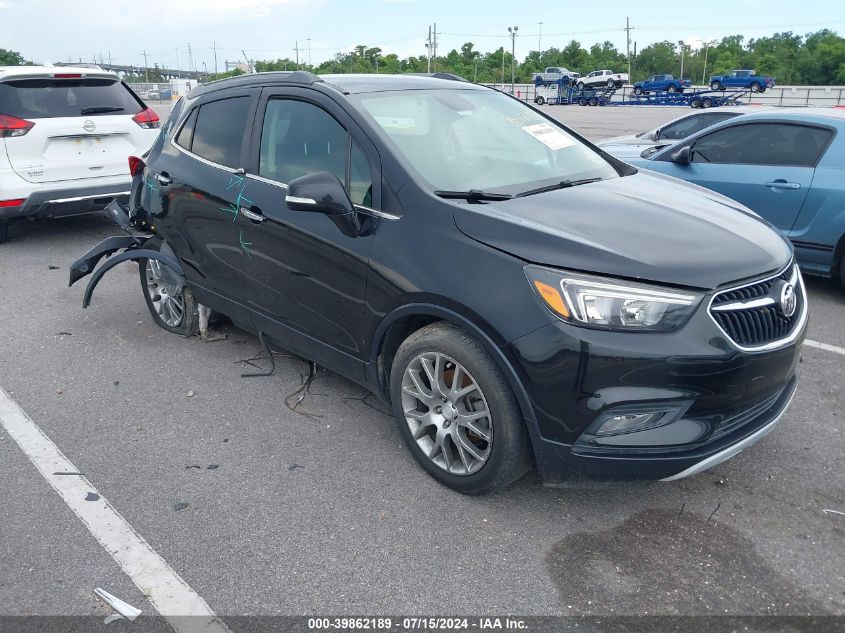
<point x="610" y="303"/>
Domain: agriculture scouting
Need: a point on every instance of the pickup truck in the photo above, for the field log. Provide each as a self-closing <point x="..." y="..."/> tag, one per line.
<point x="603" y="78"/>
<point x="742" y="79"/>
<point x="554" y="73"/>
<point x="661" y="82"/>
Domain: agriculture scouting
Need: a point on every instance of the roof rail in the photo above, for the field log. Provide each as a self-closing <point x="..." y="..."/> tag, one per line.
<point x="304" y="77"/>
<point x="439" y="75"/>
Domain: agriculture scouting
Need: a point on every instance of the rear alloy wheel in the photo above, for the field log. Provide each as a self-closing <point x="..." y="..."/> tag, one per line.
<point x="755" y="87"/>
<point x="456" y="412"/>
<point x="672" y="88"/>
<point x="716" y="85"/>
<point x="695" y="103"/>
<point x="171" y="304"/>
<point x="582" y="101"/>
<point x="611" y="83"/>
<point x="706" y="102"/>
<point x="638" y="91"/>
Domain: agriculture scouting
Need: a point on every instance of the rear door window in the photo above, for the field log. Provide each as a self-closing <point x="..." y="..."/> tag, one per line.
<point x="186" y="134"/>
<point x="219" y="131"/>
<point x="46" y="98"/>
<point x="763" y="144"/>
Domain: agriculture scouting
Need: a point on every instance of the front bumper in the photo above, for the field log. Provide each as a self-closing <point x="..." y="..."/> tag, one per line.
<point x="721" y="399"/>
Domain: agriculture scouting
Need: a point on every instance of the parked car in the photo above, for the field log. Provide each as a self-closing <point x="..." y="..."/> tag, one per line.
<point x="742" y="79"/>
<point x="554" y="73"/>
<point x="787" y="166"/>
<point x="66" y="134"/>
<point x="661" y="82"/>
<point x="645" y="143"/>
<point x="606" y="78"/>
<point x="515" y="294"/>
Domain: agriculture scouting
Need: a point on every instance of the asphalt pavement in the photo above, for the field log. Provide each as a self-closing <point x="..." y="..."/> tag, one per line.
<point x="267" y="510"/>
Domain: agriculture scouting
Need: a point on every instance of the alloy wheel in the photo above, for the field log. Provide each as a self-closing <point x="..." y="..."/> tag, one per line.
<point x="167" y="300"/>
<point x="447" y="413"/>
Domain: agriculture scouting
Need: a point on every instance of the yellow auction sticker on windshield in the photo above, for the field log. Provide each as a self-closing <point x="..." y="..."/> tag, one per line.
<point x="549" y="136"/>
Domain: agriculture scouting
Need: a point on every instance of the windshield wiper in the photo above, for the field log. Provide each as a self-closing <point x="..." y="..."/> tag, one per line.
<point x="101" y="109"/>
<point x="563" y="184"/>
<point x="473" y="194"/>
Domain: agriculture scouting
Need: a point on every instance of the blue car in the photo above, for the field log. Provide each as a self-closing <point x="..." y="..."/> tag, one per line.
<point x="787" y="166"/>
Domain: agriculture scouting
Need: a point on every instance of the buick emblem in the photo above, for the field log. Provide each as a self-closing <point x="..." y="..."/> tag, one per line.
<point x="788" y="301"/>
<point x="89" y="126"/>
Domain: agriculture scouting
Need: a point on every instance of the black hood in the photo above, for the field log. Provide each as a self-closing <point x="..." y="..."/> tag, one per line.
<point x="646" y="226"/>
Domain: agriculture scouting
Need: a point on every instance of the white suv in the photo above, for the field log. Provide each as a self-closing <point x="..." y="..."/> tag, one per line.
<point x="65" y="137"/>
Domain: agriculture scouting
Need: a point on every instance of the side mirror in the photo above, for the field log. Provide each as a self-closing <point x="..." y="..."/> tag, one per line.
<point x="682" y="155"/>
<point x="656" y="135"/>
<point x="322" y="192"/>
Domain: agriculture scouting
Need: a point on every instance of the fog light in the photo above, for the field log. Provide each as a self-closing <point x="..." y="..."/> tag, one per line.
<point x="631" y="422"/>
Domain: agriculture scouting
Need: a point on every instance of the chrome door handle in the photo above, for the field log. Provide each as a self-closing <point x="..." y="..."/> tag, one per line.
<point x="782" y="184"/>
<point x="163" y="179"/>
<point x="252" y="215"/>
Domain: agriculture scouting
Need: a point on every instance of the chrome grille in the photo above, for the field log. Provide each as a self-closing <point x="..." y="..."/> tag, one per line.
<point x="752" y="317"/>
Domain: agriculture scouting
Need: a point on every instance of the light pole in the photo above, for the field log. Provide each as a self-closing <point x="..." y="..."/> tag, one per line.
<point x="540" y="38"/>
<point x="683" y="48"/>
<point x="513" y="31"/>
<point x="704" y="72"/>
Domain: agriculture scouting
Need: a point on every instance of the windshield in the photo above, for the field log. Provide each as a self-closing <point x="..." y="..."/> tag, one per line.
<point x="480" y="140"/>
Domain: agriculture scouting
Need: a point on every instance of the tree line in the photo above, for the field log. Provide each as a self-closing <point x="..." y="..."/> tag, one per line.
<point x="813" y="59"/>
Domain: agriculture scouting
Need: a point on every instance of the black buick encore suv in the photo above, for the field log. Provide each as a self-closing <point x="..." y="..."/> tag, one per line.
<point x="515" y="294"/>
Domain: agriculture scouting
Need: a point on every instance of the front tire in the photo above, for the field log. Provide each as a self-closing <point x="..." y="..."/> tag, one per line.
<point x="456" y="411"/>
<point x="581" y="85"/>
<point x="706" y="102"/>
<point x="755" y="87"/>
<point x="611" y="83"/>
<point x="539" y="101"/>
<point x="638" y="91"/>
<point x="672" y="88"/>
<point x="716" y="85"/>
<point x="172" y="308"/>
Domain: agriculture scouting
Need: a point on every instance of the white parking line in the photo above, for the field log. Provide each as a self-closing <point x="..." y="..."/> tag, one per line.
<point x="826" y="347"/>
<point x="169" y="594"/>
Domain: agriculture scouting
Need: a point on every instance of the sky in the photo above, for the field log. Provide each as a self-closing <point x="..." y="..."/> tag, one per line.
<point x="58" y="31"/>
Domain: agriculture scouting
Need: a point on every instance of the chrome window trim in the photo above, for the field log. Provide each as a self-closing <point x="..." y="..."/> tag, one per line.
<point x="188" y="152"/>
<point x="796" y="280"/>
